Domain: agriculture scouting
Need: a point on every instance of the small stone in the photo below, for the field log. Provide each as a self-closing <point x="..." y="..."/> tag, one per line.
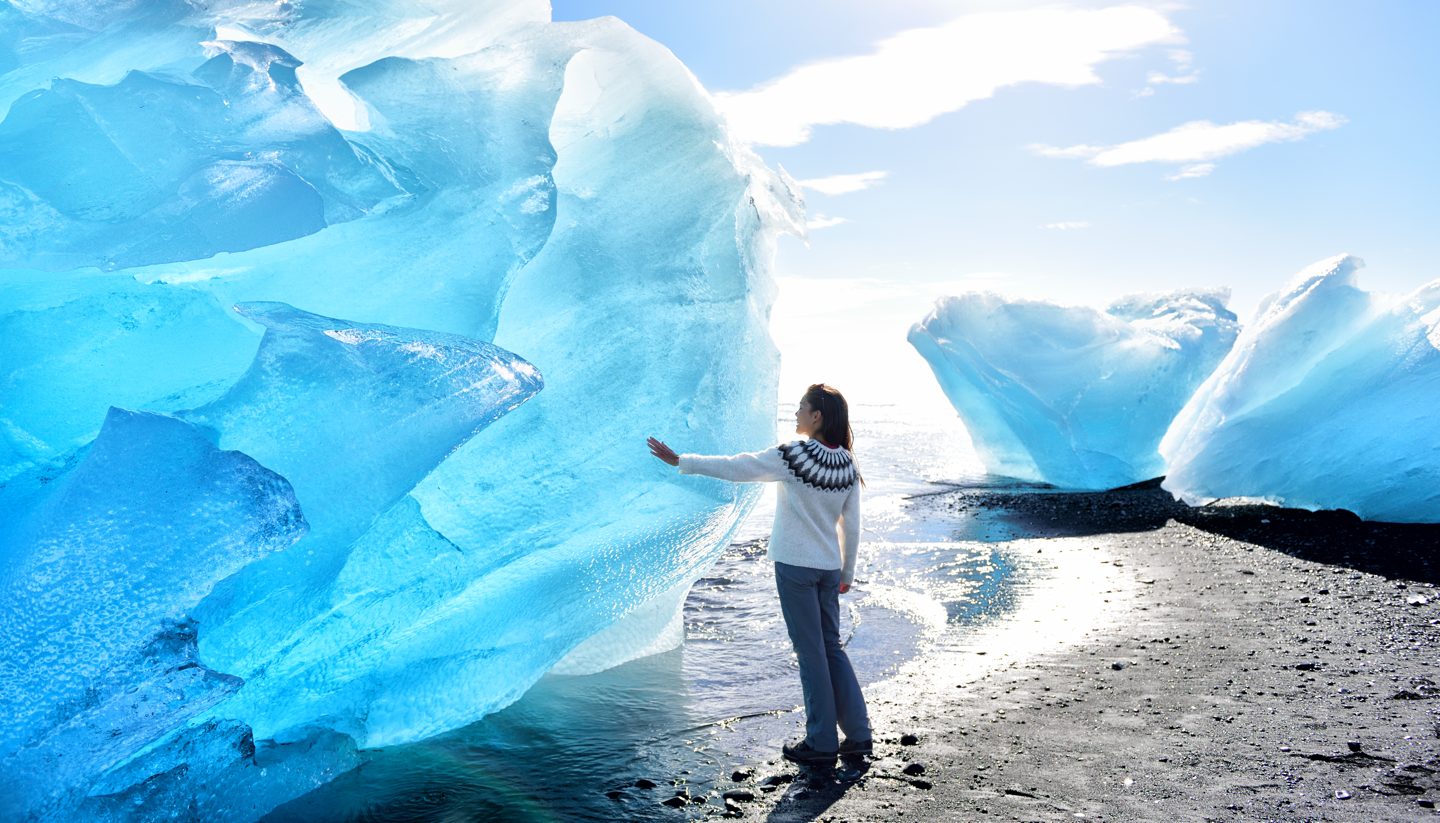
<point x="1284" y="748"/>
<point x="914" y="769"/>
<point x="909" y="740"/>
<point x="642" y="783"/>
<point x="1416" y="600"/>
<point x="1354" y="746"/>
<point x="1425" y="802"/>
<point x="1341" y="794"/>
<point x="738" y="796"/>
<point x="675" y="802"/>
<point x="1307" y="666"/>
<point x="1323" y="591"/>
<point x="921" y="784"/>
<point x="1118" y="665"/>
<point x="1304" y="600"/>
<point x="741" y="775"/>
<point x="777" y="779"/>
<point x="614" y="794"/>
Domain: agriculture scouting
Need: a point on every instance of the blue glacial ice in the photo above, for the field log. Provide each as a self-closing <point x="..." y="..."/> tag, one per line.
<point x="1326" y="402"/>
<point x="458" y="180"/>
<point x="1072" y="396"/>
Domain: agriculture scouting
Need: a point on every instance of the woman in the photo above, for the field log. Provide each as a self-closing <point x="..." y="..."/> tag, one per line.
<point x="818" y="501"/>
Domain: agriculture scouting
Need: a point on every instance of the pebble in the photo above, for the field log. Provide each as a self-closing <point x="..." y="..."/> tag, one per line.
<point x="674" y="802"/>
<point x="909" y="740"/>
<point x="741" y="775"/>
<point x="1341" y="794"/>
<point x="914" y="769"/>
<point x="642" y="783"/>
<point x="921" y="784"/>
<point x="1118" y="665"/>
<point x="1426" y="803"/>
<point x="1416" y="600"/>
<point x="1354" y="746"/>
<point x="614" y="794"/>
<point x="738" y="796"/>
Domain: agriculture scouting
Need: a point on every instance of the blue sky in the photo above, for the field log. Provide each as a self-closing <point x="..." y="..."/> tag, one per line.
<point x="1322" y="122"/>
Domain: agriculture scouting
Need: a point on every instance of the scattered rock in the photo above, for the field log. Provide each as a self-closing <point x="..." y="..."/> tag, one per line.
<point x="1354" y="746"/>
<point x="1118" y="665"/>
<point x="642" y="783"/>
<point x="675" y="802"/>
<point x="614" y="794"/>
<point x="1018" y="793"/>
<point x="1341" y="794"/>
<point x="914" y="769"/>
<point x="921" y="784"/>
<point x="778" y="779"/>
<point x="909" y="740"/>
<point x="1425" y="802"/>
<point x="741" y="775"/>
<point x="1416" y="600"/>
<point x="1307" y="666"/>
<point x="738" y="796"/>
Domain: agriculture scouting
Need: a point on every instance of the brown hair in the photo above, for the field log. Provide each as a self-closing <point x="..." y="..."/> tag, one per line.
<point x="834" y="418"/>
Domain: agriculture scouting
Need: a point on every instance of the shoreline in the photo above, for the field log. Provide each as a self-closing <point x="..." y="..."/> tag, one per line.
<point x="1251" y="663"/>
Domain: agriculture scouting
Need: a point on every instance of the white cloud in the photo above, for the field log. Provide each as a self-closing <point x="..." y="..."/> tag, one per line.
<point x="1156" y="78"/>
<point x="1183" y="75"/>
<point x="1197" y="144"/>
<point x="1068" y="225"/>
<point x="1193" y="170"/>
<point x="920" y="74"/>
<point x="844" y="183"/>
<point x="820" y="221"/>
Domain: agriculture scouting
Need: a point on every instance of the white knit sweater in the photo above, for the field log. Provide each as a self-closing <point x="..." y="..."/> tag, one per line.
<point x="818" y="500"/>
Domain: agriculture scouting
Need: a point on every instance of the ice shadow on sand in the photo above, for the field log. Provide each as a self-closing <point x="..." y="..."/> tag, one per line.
<point x="1401" y="551"/>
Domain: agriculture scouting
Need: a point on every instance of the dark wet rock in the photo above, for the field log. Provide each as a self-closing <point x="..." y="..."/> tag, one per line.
<point x="909" y="740"/>
<point x="642" y="783"/>
<point x="1426" y="803"/>
<point x="738" y="796"/>
<point x="914" y="769"/>
<point x="778" y="779"/>
<point x="1354" y="745"/>
<point x="741" y="775"/>
<point x="921" y="784"/>
<point x="1307" y="666"/>
<point x="614" y="794"/>
<point x="1118" y="665"/>
<point x="675" y="802"/>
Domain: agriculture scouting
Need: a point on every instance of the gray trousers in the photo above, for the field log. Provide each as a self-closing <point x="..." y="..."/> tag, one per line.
<point x="810" y="601"/>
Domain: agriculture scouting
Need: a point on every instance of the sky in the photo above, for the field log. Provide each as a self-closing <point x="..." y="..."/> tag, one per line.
<point x="1070" y="152"/>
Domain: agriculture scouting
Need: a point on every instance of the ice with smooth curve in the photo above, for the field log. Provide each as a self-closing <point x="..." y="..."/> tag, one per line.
<point x="1072" y="396"/>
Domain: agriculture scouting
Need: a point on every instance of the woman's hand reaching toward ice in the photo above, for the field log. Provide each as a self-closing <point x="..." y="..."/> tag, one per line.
<point x="663" y="452"/>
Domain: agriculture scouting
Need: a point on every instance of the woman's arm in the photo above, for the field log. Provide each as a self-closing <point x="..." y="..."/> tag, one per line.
<point x="849" y="537"/>
<point x="755" y="467"/>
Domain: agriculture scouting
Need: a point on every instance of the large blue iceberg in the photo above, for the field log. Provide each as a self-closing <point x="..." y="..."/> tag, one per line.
<point x="242" y="540"/>
<point x="1326" y="402"/>
<point x="1072" y="396"/>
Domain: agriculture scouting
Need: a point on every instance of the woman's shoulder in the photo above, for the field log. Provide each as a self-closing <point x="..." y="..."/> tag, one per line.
<point x="817" y="466"/>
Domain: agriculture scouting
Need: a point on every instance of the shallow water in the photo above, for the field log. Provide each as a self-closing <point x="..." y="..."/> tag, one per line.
<point x="729" y="695"/>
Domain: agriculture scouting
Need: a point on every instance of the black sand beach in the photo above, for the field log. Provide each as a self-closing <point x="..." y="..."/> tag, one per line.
<point x="1221" y="663"/>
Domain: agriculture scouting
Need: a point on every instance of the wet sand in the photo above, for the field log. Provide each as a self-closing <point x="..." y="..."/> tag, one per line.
<point x="1166" y="663"/>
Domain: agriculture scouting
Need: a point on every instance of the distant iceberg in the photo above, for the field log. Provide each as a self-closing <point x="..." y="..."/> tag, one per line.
<point x="242" y="539"/>
<point x="1327" y="401"/>
<point x="1072" y="396"/>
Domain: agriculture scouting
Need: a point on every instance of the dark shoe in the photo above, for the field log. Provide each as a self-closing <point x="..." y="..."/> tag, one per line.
<point x="803" y="752"/>
<point x="857" y="747"/>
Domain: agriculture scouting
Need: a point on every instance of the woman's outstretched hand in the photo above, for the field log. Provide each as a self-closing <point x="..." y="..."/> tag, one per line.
<point x="663" y="452"/>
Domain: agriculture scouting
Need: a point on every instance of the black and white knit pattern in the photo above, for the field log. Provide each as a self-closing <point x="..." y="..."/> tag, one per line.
<point x="826" y="469"/>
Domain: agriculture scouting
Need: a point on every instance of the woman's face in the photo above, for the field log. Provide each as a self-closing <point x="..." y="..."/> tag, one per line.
<point x="807" y="420"/>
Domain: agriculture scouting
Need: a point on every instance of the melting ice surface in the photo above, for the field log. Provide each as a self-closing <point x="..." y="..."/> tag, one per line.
<point x="1071" y="396"/>
<point x="1327" y="401"/>
<point x="237" y="544"/>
